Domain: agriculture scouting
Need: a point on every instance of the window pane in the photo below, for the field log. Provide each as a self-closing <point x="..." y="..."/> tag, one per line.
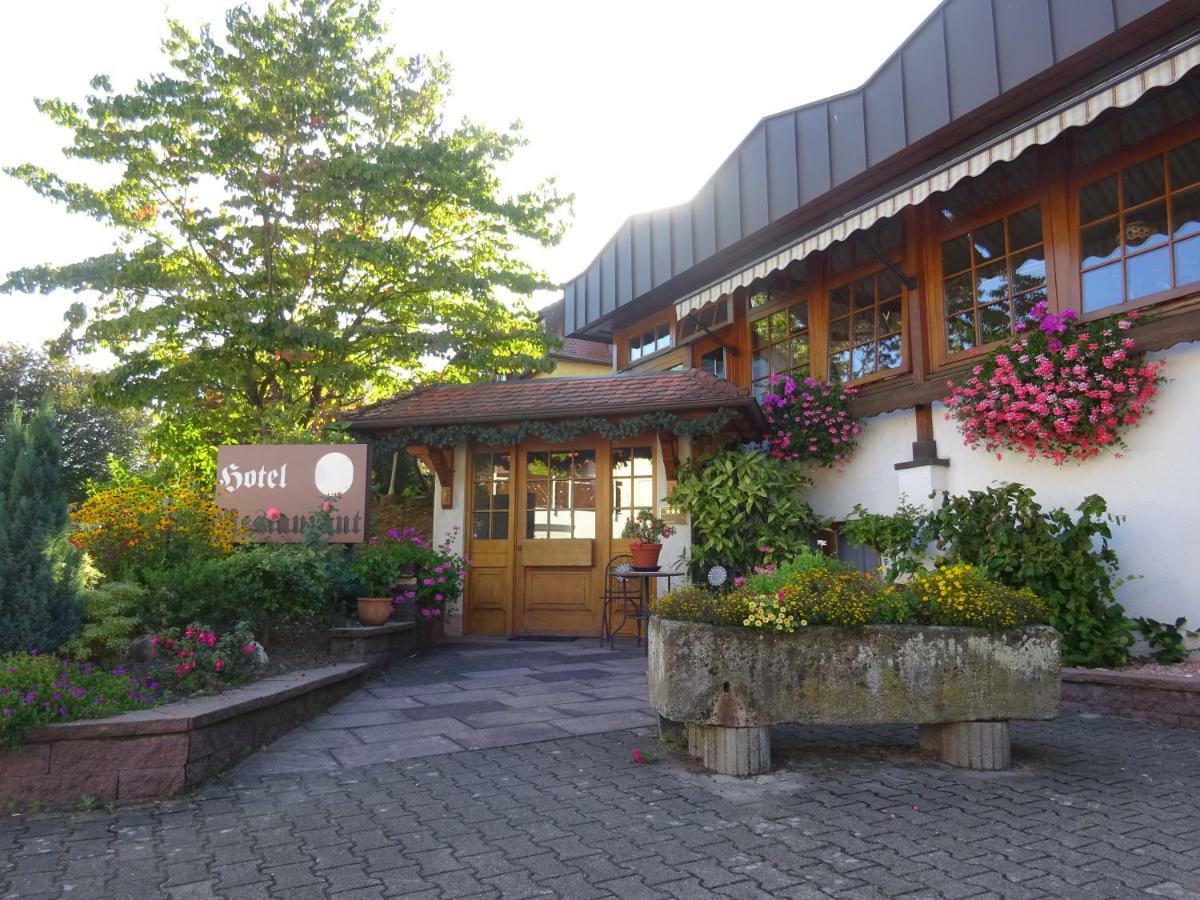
<point x="500" y="526"/>
<point x="585" y="525"/>
<point x="839" y="334"/>
<point x="585" y="464"/>
<point x="960" y="333"/>
<point x="500" y="497"/>
<point x="759" y="298"/>
<point x="864" y="327"/>
<point x="1098" y="199"/>
<point x="959" y="294"/>
<point x="1187" y="261"/>
<point x="780" y="357"/>
<point x="537" y="495"/>
<point x="994" y="323"/>
<point x="1028" y="269"/>
<point x="643" y="492"/>
<point x="1143" y="182"/>
<point x="799" y="353"/>
<point x="560" y="465"/>
<point x="862" y="360"/>
<point x="481" y="495"/>
<point x="798" y="316"/>
<point x="1025" y="228"/>
<point x="643" y="461"/>
<point x="562" y="495"/>
<point x="480" y="523"/>
<point x="991" y="282"/>
<point x="988" y="242"/>
<point x="1185" y="213"/>
<point x="1185" y="165"/>
<point x="862" y="293"/>
<point x="1102" y="287"/>
<point x="890" y="355"/>
<point x="537" y="465"/>
<point x="501" y="463"/>
<point x="839" y="302"/>
<point x="839" y="366"/>
<point x="889" y="284"/>
<point x="1146" y="227"/>
<point x="1148" y="273"/>
<point x="779" y="324"/>
<point x="483" y="465"/>
<point x="759" y="367"/>
<point x="1024" y="303"/>
<point x="583" y="494"/>
<point x="622" y="465"/>
<point x="1101" y="243"/>
<point x="889" y="316"/>
<point x="622" y="492"/>
<point x="760" y="332"/>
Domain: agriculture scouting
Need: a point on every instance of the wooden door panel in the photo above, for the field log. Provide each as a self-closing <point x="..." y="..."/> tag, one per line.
<point x="486" y="610"/>
<point x="563" y="552"/>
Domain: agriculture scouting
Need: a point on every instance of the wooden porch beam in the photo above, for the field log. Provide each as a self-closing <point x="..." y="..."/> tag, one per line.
<point x="440" y="461"/>
<point x="670" y="453"/>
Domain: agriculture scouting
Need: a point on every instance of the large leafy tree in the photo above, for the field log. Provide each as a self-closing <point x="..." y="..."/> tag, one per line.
<point x="298" y="228"/>
<point x="90" y="433"/>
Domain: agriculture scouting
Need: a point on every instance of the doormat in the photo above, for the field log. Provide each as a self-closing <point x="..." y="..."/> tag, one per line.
<point x="549" y="638"/>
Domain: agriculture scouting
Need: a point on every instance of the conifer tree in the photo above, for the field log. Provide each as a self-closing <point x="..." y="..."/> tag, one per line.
<point x="41" y="573"/>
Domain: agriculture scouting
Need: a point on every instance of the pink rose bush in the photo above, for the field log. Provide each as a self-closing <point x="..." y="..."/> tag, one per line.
<point x="810" y="421"/>
<point x="1058" y="391"/>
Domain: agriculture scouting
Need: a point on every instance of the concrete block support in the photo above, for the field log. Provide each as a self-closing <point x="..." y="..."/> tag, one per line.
<point x="669" y="730"/>
<point x="969" y="745"/>
<point x="731" y="751"/>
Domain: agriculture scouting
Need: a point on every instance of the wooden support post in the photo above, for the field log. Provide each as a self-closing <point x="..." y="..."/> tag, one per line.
<point x="440" y="461"/>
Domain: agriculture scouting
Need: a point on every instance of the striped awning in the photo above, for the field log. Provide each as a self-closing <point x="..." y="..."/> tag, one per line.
<point x="1119" y="91"/>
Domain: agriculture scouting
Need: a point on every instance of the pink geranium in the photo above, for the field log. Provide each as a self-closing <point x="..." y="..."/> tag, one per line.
<point x="810" y="422"/>
<point x="1056" y="393"/>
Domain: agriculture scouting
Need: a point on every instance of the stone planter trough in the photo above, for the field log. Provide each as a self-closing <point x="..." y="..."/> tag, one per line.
<point x="960" y="685"/>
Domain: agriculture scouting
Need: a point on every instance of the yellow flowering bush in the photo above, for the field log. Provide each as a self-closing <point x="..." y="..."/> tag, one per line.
<point x="961" y="595"/>
<point x="824" y="597"/>
<point x="694" y="603"/>
<point x="769" y="614"/>
<point x="136" y="525"/>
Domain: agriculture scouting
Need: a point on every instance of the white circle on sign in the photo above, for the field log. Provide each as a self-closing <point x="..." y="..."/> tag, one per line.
<point x="334" y="473"/>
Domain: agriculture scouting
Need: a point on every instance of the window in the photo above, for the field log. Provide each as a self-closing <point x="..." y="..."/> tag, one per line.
<point x="711" y="317"/>
<point x="991" y="277"/>
<point x="714" y="361"/>
<point x="865" y="324"/>
<point x="490" y="482"/>
<point x="779" y="345"/>
<point x="560" y="494"/>
<point x="651" y="341"/>
<point x="1138" y="229"/>
<point x="632" y="484"/>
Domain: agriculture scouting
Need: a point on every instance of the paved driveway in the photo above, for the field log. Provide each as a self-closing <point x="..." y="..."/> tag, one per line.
<point x="1096" y="807"/>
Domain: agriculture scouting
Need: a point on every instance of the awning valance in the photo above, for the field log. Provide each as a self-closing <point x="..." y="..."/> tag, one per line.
<point x="1120" y="91"/>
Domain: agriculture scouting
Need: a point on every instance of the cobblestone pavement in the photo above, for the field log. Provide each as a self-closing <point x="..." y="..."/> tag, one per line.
<point x="1095" y="807"/>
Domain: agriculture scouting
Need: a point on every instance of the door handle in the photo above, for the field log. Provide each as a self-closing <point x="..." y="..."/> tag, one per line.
<point x="520" y="547"/>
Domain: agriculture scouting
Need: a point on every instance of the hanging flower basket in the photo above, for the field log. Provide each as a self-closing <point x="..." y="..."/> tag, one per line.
<point x="1057" y="392"/>
<point x="810" y="421"/>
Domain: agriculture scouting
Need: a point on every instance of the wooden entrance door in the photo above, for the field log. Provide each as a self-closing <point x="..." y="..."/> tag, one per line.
<point x="490" y="520"/>
<point x="562" y="536"/>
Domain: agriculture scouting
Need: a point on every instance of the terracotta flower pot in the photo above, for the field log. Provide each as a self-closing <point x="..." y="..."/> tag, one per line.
<point x="645" y="556"/>
<point x="374" y="610"/>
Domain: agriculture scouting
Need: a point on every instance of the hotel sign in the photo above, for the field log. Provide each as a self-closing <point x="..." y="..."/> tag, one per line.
<point x="276" y="489"/>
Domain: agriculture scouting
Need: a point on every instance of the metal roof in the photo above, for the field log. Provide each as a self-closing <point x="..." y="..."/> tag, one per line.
<point x="964" y="55"/>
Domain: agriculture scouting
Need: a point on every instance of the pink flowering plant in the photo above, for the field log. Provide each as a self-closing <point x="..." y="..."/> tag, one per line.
<point x="810" y="421"/>
<point x="1059" y="391"/>
<point x="387" y="566"/>
<point x="199" y="658"/>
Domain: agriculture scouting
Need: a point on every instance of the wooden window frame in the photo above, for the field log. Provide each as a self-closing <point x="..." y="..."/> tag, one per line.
<point x="1159" y="145"/>
<point x="550" y="482"/>
<point x="781" y="304"/>
<point x="938" y="232"/>
<point x="847" y="276"/>
<point x="624" y="337"/>
<point x="680" y="340"/>
<point x="613" y="509"/>
<point x="491" y="481"/>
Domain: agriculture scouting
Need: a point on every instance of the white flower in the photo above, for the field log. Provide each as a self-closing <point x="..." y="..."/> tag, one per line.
<point x="822" y="543"/>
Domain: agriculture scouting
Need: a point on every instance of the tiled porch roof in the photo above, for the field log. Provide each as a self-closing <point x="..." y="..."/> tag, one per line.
<point x="551" y="398"/>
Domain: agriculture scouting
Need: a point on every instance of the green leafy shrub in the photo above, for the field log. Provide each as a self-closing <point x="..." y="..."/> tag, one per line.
<point x="1165" y="640"/>
<point x="259" y="583"/>
<point x="42" y="575"/>
<point x="112" y="618"/>
<point x="961" y="595"/>
<point x="203" y="660"/>
<point x="740" y="501"/>
<point x="768" y="578"/>
<point x="38" y="690"/>
<point x="693" y="603"/>
<point x="382" y="566"/>
<point x="1003" y="532"/>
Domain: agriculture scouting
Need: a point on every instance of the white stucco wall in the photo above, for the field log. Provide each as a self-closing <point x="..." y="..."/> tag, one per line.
<point x="1155" y="485"/>
<point x="444" y="521"/>
<point x="674" y="547"/>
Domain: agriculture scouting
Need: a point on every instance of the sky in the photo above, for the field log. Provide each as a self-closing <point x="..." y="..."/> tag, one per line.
<point x="631" y="106"/>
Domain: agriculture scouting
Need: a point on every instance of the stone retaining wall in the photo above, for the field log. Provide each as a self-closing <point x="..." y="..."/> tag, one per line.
<point x="377" y="646"/>
<point x="1163" y="699"/>
<point x="155" y="753"/>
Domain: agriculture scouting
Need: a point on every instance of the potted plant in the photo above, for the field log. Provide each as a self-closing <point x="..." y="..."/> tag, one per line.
<point x="387" y="568"/>
<point x="647" y="531"/>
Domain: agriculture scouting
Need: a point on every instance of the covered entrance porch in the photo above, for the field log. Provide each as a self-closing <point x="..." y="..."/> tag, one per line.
<point x="536" y="480"/>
